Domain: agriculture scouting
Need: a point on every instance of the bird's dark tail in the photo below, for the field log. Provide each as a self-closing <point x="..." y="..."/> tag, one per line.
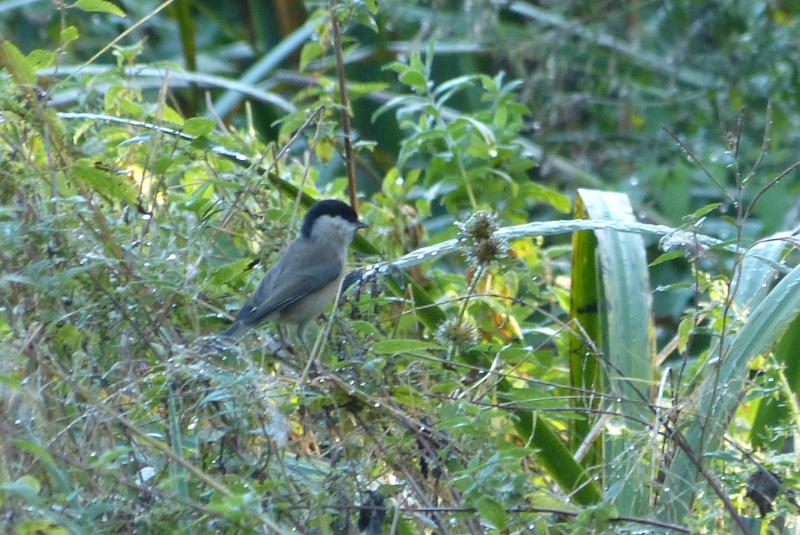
<point x="234" y="332"/>
<point x="218" y="343"/>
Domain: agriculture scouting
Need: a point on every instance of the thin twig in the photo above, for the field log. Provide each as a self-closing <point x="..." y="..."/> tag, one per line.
<point x="346" y="129"/>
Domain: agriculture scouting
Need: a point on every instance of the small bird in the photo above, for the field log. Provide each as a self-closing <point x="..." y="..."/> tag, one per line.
<point x="308" y="274"/>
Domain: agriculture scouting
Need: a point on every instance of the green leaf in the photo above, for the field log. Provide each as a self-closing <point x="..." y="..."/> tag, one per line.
<point x="551" y="452"/>
<point x="718" y="396"/>
<point x="595" y="519"/>
<point x="684" y="331"/>
<point x="58" y="479"/>
<point x="700" y="212"/>
<point x="107" y="459"/>
<point x="26" y="487"/>
<point x="36" y="449"/>
<point x="360" y="89"/>
<point x="324" y="149"/>
<point x="492" y="511"/>
<point x="40" y="59"/>
<point x="99" y="6"/>
<point x="501" y="117"/>
<point x="198" y="126"/>
<point x="182" y="11"/>
<point x="231" y="271"/>
<point x="666" y="257"/>
<point x="17" y="64"/>
<point x="459" y="82"/>
<point x="111" y="185"/>
<point x="69" y="34"/>
<point x="409" y="397"/>
<point x="555" y="199"/>
<point x="310" y="52"/>
<point x="774" y="412"/>
<point x="163" y="163"/>
<point x="131" y="108"/>
<point x="626" y="333"/>
<point x="415" y="80"/>
<point x="40" y="526"/>
<point x="168" y="114"/>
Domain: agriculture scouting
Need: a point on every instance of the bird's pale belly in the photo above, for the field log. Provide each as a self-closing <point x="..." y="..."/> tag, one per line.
<point x="309" y="307"/>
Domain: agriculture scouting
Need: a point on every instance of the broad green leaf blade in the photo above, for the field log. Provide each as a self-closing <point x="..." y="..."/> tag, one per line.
<point x="627" y="341"/>
<point x="758" y="271"/>
<point x="778" y="411"/>
<point x="719" y="394"/>
<point x="630" y="332"/>
<point x="182" y="11"/>
<point x="753" y="285"/>
<point x="553" y="456"/>
<point x="749" y="290"/>
<point x="264" y="66"/>
<point x="585" y="313"/>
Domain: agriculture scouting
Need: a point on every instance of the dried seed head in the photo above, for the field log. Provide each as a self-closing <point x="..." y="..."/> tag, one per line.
<point x="461" y="334"/>
<point x="479" y="232"/>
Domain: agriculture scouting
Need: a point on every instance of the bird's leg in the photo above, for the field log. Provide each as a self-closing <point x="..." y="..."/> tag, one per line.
<point x="284" y="343"/>
<point x="301" y="334"/>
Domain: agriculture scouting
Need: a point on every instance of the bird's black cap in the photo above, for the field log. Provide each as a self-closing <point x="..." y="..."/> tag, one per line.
<point x="329" y="207"/>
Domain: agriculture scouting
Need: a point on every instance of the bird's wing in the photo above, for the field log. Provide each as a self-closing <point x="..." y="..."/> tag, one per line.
<point x="284" y="285"/>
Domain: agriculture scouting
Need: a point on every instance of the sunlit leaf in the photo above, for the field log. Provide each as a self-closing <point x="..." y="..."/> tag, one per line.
<point x="111" y="185"/>
<point x="99" y="6"/>
<point x="198" y="126"/>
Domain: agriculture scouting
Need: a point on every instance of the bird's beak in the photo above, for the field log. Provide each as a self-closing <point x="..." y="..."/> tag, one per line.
<point x="361" y="225"/>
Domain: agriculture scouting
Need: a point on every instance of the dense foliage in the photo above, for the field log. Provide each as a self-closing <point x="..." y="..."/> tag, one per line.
<point x="576" y="304"/>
